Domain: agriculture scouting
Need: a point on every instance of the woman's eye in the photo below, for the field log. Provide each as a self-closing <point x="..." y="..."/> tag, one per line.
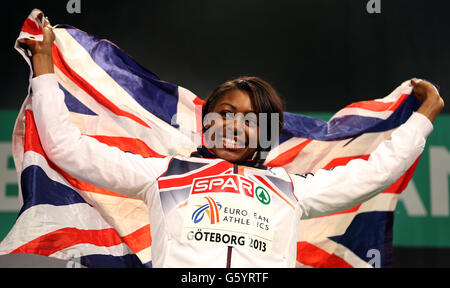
<point x="227" y="114"/>
<point x="251" y="122"/>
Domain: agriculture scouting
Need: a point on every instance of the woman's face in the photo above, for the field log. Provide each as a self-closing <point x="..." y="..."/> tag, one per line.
<point x="235" y="132"/>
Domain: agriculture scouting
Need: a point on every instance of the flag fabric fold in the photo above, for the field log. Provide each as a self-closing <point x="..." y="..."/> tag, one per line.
<point x="115" y="100"/>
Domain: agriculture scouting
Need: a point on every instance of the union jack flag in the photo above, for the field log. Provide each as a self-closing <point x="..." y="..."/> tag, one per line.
<point x="115" y="100"/>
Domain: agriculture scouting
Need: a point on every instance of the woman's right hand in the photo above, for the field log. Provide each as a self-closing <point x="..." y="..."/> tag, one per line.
<point x="45" y="46"/>
<point x="42" y="50"/>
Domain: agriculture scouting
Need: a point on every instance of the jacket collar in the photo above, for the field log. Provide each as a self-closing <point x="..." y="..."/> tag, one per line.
<point x="204" y="152"/>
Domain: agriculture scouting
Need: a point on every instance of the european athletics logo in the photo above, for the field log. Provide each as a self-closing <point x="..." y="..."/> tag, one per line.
<point x="212" y="209"/>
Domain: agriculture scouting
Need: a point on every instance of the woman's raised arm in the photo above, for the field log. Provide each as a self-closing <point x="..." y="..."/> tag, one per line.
<point x="82" y="157"/>
<point x="330" y="191"/>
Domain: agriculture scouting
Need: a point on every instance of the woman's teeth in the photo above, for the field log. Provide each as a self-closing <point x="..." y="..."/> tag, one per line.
<point x="229" y="143"/>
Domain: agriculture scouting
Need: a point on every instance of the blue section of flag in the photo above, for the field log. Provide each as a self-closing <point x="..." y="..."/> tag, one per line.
<point x="144" y="86"/>
<point x="38" y="188"/>
<point x="74" y="105"/>
<point x="109" y="261"/>
<point x="178" y="167"/>
<point x="399" y="116"/>
<point x="370" y="233"/>
<point x="345" y="127"/>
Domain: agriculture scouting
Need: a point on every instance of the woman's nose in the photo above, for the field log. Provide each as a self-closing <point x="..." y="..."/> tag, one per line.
<point x="235" y="126"/>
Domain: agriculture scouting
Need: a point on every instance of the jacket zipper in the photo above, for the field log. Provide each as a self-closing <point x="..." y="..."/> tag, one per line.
<point x="230" y="248"/>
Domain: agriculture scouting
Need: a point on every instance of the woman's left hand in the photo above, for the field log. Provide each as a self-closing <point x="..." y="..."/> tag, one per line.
<point x="432" y="102"/>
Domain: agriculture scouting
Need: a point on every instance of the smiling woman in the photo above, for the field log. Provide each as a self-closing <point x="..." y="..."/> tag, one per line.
<point x="216" y="180"/>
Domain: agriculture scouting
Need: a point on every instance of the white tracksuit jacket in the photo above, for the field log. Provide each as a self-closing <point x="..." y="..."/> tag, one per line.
<point x="212" y="213"/>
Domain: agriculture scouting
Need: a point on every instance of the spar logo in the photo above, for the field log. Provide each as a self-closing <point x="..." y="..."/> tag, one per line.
<point x="211" y="209"/>
<point x="262" y="195"/>
<point x="224" y="184"/>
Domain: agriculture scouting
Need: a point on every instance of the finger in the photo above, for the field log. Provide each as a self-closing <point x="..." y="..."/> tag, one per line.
<point x="415" y="81"/>
<point x="43" y="21"/>
<point x="40" y="18"/>
<point x="47" y="23"/>
<point x="29" y="42"/>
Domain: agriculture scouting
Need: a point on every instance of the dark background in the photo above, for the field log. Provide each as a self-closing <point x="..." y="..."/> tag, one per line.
<point x="319" y="54"/>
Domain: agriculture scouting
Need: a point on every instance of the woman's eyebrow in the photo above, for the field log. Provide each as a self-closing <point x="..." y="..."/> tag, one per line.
<point x="234" y="108"/>
<point x="228" y="104"/>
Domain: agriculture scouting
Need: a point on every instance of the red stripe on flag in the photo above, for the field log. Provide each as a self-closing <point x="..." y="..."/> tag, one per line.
<point x="198" y="109"/>
<point x="403" y="181"/>
<point x="351" y="210"/>
<point x="187" y="180"/>
<point x="32" y="143"/>
<point x="344" y="160"/>
<point x="89" y="89"/>
<point x="289" y="155"/>
<point x="31" y="27"/>
<point x="31" y="139"/>
<point x="139" y="239"/>
<point x="63" y="238"/>
<point x="378" y="106"/>
<point x="312" y="255"/>
<point x="127" y="144"/>
<point x="198" y="102"/>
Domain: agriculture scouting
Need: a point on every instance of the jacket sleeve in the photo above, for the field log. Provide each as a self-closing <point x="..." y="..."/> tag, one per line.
<point x="84" y="157"/>
<point x="341" y="188"/>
